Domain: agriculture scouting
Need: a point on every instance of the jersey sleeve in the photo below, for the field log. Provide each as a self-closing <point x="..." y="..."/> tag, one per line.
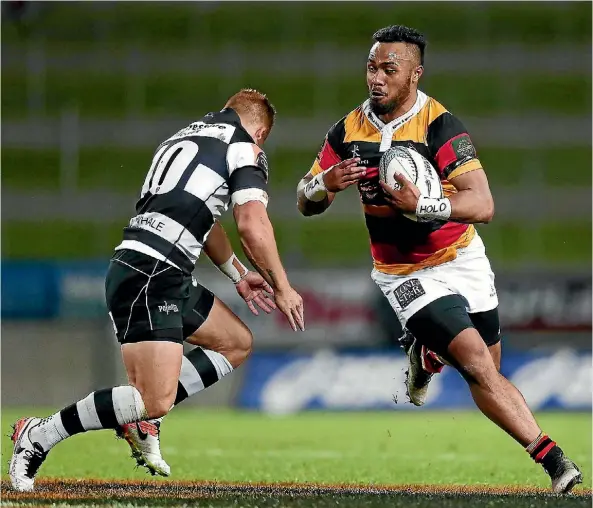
<point x="248" y="173"/>
<point x="451" y="147"/>
<point x="331" y="149"/>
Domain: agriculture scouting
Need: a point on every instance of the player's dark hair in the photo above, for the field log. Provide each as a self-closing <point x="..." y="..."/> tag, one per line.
<point x="401" y="33"/>
<point x="256" y="104"/>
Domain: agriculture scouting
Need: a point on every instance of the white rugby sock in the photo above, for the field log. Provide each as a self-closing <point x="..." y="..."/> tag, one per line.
<point x="200" y="369"/>
<point x="103" y="409"/>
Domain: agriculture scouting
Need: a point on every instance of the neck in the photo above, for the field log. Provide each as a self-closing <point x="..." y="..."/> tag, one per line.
<point x="402" y="108"/>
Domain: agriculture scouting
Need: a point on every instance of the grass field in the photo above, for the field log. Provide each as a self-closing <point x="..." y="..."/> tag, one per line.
<point x="227" y="458"/>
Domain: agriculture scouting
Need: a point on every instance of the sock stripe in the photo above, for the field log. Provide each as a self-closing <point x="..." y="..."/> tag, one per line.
<point x="71" y="420"/>
<point x="88" y="413"/>
<point x="540" y="446"/>
<point x="189" y="377"/>
<point x="105" y="409"/>
<point x="540" y="456"/>
<point x="181" y="394"/>
<point x="203" y="365"/>
<point x="532" y="446"/>
<point x="221" y="364"/>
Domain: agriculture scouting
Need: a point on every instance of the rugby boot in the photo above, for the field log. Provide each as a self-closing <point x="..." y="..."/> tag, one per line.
<point x="27" y="455"/>
<point x="144" y="440"/>
<point x="564" y="474"/>
<point x="423" y="364"/>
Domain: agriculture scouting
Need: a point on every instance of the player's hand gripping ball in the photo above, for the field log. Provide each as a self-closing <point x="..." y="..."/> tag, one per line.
<point x="405" y="175"/>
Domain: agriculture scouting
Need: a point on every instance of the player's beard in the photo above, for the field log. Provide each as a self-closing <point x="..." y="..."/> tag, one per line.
<point x="389" y="107"/>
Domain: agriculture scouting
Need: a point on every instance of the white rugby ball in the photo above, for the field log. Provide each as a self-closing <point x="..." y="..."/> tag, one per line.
<point x="415" y="167"/>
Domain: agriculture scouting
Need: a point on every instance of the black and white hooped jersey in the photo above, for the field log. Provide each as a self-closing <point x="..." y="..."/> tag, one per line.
<point x="193" y="177"/>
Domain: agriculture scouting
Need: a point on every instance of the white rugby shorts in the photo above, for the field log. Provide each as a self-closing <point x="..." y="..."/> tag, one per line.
<point x="468" y="275"/>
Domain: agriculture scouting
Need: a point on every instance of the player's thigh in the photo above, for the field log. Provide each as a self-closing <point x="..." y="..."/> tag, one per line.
<point x="145" y="298"/>
<point x="487" y="324"/>
<point x="436" y="324"/>
<point x="468" y="353"/>
<point x="445" y="327"/>
<point x="208" y="322"/>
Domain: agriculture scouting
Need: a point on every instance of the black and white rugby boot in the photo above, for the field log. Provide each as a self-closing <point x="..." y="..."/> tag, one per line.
<point x="27" y="455"/>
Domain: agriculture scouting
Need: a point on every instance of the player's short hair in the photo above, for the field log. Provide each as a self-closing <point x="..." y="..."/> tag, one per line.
<point x="401" y="33"/>
<point x="254" y="104"/>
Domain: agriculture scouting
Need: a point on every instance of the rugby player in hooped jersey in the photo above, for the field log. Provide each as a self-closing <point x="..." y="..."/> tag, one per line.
<point x="434" y="271"/>
<point x="154" y="302"/>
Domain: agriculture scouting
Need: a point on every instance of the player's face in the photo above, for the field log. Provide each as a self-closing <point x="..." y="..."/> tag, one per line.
<point x="392" y="74"/>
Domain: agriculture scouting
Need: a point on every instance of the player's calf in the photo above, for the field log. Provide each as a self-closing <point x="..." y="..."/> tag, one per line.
<point x="502" y="403"/>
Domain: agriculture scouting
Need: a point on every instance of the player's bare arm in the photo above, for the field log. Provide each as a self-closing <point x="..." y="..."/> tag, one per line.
<point x="250" y="285"/>
<point x="316" y="193"/>
<point x="259" y="244"/>
<point x="472" y="203"/>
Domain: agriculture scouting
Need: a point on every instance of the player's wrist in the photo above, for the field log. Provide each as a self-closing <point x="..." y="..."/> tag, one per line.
<point x="433" y="208"/>
<point x="316" y="190"/>
<point x="234" y="269"/>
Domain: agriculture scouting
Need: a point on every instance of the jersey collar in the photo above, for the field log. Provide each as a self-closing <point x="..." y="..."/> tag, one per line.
<point x="387" y="129"/>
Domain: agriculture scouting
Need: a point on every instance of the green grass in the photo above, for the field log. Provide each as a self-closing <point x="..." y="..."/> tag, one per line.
<point x="461" y="448"/>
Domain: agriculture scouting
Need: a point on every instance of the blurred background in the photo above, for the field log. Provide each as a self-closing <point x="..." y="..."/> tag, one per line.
<point x="90" y="88"/>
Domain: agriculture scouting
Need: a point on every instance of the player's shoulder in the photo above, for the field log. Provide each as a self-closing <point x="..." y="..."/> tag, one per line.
<point x="212" y="126"/>
<point x="439" y="118"/>
<point x="338" y="131"/>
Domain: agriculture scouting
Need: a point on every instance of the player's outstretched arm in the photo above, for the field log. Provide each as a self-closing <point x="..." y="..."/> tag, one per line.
<point x="250" y="285"/>
<point x="316" y="192"/>
<point x="259" y="245"/>
<point x="220" y="251"/>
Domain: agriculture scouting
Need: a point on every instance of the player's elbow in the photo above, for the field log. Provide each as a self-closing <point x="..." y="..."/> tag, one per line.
<point x="302" y="207"/>
<point x="302" y="200"/>
<point x="487" y="211"/>
<point x="247" y="228"/>
<point x="251" y="219"/>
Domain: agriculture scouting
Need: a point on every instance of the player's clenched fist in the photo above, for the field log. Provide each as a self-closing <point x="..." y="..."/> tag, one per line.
<point x="343" y="175"/>
<point x="291" y="304"/>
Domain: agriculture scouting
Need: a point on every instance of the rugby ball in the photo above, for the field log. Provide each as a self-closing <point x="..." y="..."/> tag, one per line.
<point x="415" y="167"/>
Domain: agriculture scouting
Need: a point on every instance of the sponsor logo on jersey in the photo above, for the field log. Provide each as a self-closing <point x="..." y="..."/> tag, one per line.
<point x="168" y="307"/>
<point x="409" y="291"/>
<point x="144" y="222"/>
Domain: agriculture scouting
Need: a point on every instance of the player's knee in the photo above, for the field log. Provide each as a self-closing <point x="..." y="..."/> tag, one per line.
<point x="473" y="360"/>
<point x="241" y="346"/>
<point x="157" y="405"/>
<point x="158" y="408"/>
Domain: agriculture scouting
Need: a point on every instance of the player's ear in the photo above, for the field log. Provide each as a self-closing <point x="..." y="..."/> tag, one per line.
<point x="418" y="71"/>
<point x="261" y="134"/>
